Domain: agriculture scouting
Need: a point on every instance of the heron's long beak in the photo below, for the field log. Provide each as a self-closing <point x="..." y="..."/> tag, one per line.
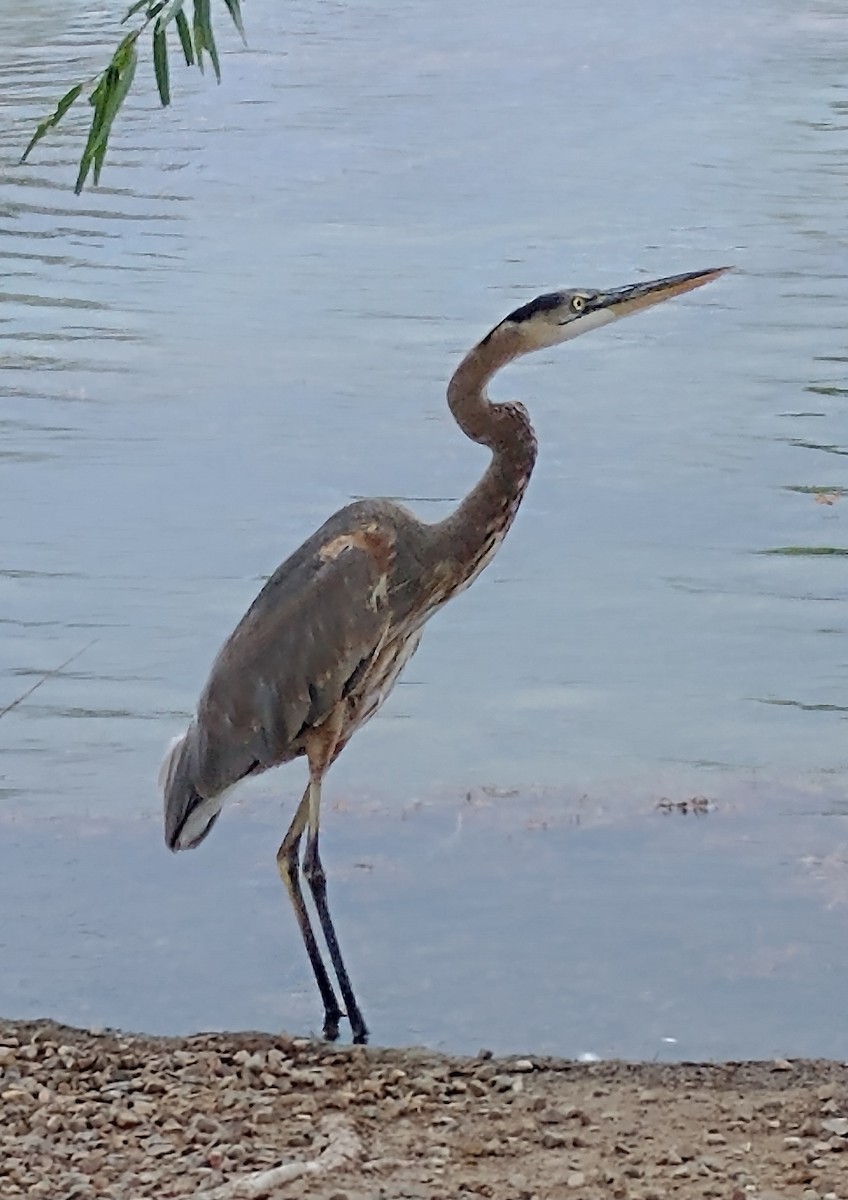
<point x="636" y="296"/>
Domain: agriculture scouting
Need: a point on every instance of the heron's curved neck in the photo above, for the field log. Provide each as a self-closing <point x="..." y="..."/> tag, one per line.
<point x="471" y="534"/>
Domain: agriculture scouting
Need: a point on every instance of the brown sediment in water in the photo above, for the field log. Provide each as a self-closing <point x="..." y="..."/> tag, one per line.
<point x="216" y="1116"/>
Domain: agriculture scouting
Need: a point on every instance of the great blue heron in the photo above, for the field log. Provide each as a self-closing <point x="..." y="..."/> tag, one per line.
<point x="325" y="640"/>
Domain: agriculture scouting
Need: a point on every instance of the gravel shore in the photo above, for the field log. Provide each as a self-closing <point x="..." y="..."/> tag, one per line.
<point x="223" y="1116"/>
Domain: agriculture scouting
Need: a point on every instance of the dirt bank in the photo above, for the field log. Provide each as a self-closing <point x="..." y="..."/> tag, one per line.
<point x="86" y="1115"/>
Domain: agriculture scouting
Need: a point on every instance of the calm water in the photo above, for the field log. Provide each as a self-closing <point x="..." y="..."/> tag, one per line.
<point x="252" y="322"/>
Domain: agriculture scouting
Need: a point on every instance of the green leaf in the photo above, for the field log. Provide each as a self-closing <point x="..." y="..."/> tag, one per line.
<point x="53" y="120"/>
<point x="197" y="32"/>
<point x="204" y="39"/>
<point x="100" y="156"/>
<point x="171" y="11"/>
<point x="153" y="8"/>
<point x="114" y="103"/>
<point x="234" y="9"/>
<point x="106" y="99"/>
<point x="105" y="84"/>
<point x="185" y="38"/>
<point x="160" y="64"/>
<point x="133" y="9"/>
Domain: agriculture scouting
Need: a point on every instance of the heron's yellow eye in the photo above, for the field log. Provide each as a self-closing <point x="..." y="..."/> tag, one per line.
<point x="578" y="303"/>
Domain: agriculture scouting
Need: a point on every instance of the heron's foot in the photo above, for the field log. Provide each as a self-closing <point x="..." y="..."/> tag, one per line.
<point x="358" y="1028"/>
<point x="332" y="1016"/>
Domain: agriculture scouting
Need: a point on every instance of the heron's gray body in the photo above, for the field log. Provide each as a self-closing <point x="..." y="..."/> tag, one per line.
<point x="314" y="639"/>
<point x="327" y="637"/>
<point x="324" y="642"/>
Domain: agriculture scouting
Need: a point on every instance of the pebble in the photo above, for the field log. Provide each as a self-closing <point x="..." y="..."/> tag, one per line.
<point x="205" y="1124"/>
<point x="126" y="1119"/>
<point x="837" y="1125"/>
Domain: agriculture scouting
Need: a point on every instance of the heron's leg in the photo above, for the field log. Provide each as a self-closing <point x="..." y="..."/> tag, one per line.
<point x="289" y="868"/>
<point x="317" y="880"/>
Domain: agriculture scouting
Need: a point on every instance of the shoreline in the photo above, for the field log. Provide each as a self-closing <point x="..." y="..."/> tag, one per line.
<point x="222" y="1115"/>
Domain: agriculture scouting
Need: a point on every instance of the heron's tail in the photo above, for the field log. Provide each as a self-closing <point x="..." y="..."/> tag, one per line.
<point x="188" y="815"/>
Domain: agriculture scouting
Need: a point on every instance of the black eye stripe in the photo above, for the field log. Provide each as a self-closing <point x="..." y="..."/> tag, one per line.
<point x="541" y="304"/>
<point x="549" y="303"/>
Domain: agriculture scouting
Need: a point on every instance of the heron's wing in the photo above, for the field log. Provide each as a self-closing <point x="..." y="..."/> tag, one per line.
<point x="308" y="635"/>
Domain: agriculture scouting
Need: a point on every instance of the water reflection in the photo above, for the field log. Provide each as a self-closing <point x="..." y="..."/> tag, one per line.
<point x="494" y="922"/>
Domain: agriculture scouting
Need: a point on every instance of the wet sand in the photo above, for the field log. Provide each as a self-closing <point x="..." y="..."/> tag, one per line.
<point x="220" y="1116"/>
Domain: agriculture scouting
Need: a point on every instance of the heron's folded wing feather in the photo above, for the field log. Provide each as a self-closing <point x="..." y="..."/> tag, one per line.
<point x="286" y="665"/>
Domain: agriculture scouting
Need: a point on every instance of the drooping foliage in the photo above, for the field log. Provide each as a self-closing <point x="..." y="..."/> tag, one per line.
<point x="108" y="90"/>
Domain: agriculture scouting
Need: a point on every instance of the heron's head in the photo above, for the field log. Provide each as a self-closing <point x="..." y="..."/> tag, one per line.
<point x="559" y="316"/>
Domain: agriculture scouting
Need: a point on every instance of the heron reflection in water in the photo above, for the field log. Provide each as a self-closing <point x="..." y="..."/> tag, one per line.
<point x="324" y="642"/>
